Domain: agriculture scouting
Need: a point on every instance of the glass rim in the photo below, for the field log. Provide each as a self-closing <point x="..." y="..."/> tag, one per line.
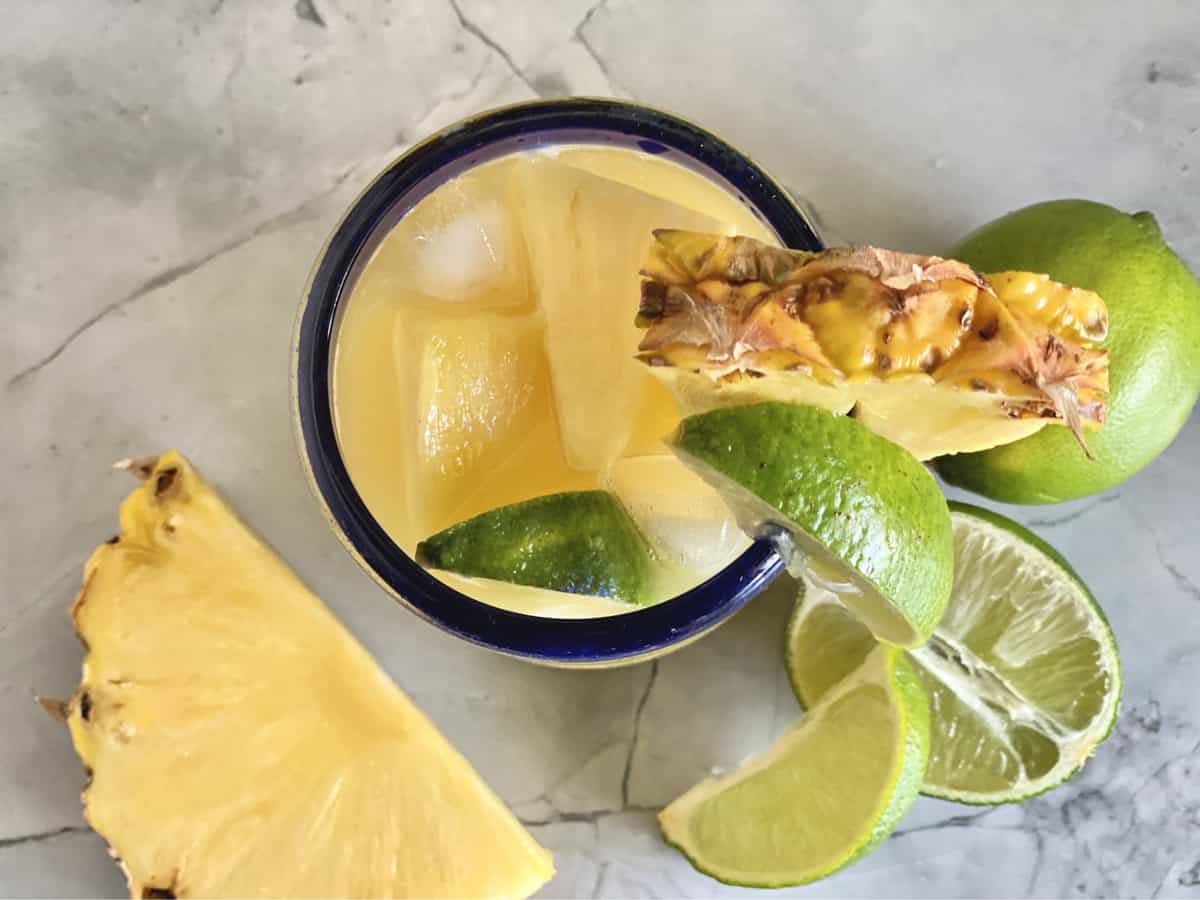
<point x="600" y="640"/>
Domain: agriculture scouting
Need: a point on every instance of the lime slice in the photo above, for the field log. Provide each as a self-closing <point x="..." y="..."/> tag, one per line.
<point x="579" y="542"/>
<point x="828" y="791"/>
<point x="1022" y="674"/>
<point x="867" y="519"/>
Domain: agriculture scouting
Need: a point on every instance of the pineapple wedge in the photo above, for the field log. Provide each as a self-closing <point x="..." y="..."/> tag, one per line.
<point x="924" y="351"/>
<point x="241" y="743"/>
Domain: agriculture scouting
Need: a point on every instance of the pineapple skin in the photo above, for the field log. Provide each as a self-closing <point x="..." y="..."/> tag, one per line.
<point x="279" y="760"/>
<point x="925" y="351"/>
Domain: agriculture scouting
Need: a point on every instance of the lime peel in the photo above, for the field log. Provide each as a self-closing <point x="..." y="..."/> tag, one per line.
<point x="577" y="542"/>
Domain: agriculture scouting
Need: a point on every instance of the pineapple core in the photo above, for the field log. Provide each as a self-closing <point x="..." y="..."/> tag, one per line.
<point x="241" y="743"/>
<point x="924" y="351"/>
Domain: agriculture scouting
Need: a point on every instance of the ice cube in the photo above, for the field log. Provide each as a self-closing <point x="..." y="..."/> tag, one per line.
<point x="482" y="422"/>
<point x="685" y="519"/>
<point x="458" y="260"/>
<point x="461" y="245"/>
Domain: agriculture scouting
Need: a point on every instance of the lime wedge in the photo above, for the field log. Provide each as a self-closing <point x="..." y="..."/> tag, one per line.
<point x="1022" y="674"/>
<point x="828" y="791"/>
<point x="866" y="518"/>
<point x="578" y="542"/>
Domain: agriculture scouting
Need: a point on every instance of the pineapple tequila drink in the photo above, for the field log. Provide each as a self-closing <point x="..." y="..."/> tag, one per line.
<point x="485" y="356"/>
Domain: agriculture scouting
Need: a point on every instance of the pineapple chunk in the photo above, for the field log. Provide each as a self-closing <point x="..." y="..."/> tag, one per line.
<point x="964" y="420"/>
<point x="241" y="743"/>
<point x="925" y="351"/>
<point x="373" y="413"/>
<point x="485" y="428"/>
<point x="586" y="237"/>
<point x="663" y="178"/>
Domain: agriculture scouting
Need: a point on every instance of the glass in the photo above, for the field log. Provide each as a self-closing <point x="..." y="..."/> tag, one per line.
<point x="607" y="640"/>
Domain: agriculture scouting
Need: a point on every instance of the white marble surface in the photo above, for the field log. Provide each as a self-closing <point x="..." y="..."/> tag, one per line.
<point x="167" y="173"/>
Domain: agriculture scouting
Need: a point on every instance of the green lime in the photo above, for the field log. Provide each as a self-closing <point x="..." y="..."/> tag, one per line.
<point x="1153" y="345"/>
<point x="828" y="791"/>
<point x="579" y="542"/>
<point x="866" y="517"/>
<point x="1023" y="675"/>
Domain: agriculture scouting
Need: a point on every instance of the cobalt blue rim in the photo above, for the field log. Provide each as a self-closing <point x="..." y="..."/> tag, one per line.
<point x="582" y="641"/>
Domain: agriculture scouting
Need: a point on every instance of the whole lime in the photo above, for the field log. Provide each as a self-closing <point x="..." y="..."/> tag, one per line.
<point x="1153" y="344"/>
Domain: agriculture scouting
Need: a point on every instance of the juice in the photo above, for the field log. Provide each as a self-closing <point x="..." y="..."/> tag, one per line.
<point x="485" y="356"/>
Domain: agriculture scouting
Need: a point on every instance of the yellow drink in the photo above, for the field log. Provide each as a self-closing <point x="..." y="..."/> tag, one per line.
<point x="485" y="355"/>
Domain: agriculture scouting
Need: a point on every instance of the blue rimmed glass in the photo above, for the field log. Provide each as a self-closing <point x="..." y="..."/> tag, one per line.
<point x="607" y="640"/>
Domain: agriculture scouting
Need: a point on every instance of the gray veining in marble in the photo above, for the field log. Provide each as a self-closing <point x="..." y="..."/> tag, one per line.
<point x="168" y="171"/>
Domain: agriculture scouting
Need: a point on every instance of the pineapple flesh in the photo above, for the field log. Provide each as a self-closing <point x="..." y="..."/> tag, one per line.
<point x="925" y="351"/>
<point x="241" y="743"/>
<point x="586" y="236"/>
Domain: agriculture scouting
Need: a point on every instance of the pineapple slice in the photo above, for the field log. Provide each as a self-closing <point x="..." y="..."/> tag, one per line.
<point x="241" y="743"/>
<point x="586" y="236"/>
<point x="924" y="351"/>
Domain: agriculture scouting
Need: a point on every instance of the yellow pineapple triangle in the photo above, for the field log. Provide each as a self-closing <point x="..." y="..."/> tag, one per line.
<point x="241" y="742"/>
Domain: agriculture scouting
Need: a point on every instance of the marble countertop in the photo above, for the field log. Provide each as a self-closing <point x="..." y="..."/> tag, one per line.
<point x="168" y="171"/>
